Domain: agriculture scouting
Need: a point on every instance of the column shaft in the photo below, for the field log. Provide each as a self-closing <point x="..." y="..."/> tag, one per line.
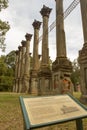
<point x="15" y="87"/>
<point x="23" y="57"/>
<point x="45" y="50"/>
<point x="60" y="34"/>
<point x="36" y="25"/>
<point x="61" y="67"/>
<point x="45" y="12"/>
<point x="16" y="65"/>
<point x="22" y="65"/>
<point x="19" y="61"/>
<point x="83" y="53"/>
<point x="44" y="75"/>
<point x="83" y="4"/>
<point x="19" y="68"/>
<point x="27" y="62"/>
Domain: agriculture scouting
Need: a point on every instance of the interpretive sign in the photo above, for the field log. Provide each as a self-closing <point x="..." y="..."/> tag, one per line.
<point x="40" y="111"/>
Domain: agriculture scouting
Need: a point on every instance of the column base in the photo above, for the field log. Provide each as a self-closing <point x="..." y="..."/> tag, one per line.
<point x="25" y="86"/>
<point x="34" y="86"/>
<point x="20" y="85"/>
<point x="44" y="81"/>
<point x="62" y="69"/>
<point x="63" y="64"/>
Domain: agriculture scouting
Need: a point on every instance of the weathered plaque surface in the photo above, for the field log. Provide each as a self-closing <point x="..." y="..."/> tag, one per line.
<point x="42" y="110"/>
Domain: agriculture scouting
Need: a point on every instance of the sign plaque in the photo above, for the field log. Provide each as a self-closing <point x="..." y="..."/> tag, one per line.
<point x="41" y="111"/>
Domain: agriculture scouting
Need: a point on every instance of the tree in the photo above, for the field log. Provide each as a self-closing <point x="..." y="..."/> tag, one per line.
<point x="10" y="59"/>
<point x="4" y="26"/>
<point x="6" y="75"/>
<point x="3" y="66"/>
<point x="3" y="4"/>
<point x="75" y="76"/>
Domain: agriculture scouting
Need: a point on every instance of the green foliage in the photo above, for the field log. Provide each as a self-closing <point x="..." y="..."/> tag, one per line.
<point x="6" y="72"/>
<point x="50" y="63"/>
<point x="10" y="59"/>
<point x="4" y="26"/>
<point x="75" y="77"/>
<point x="6" y="83"/>
<point x="6" y="75"/>
<point x="3" y="4"/>
<point x="3" y="66"/>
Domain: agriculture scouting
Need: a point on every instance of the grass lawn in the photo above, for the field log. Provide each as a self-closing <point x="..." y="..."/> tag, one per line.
<point x="10" y="112"/>
<point x="11" y="116"/>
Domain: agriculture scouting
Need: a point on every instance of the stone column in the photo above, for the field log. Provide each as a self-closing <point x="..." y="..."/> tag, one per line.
<point x="83" y="53"/>
<point x="27" y="63"/>
<point x="30" y="59"/>
<point x="83" y="4"/>
<point x="61" y="67"/>
<point x="15" y="87"/>
<point x="34" y="90"/>
<point x="36" y="25"/>
<point x="19" y="68"/>
<point x="60" y="33"/>
<point x="44" y="73"/>
<point x="45" y="12"/>
<point x="23" y="43"/>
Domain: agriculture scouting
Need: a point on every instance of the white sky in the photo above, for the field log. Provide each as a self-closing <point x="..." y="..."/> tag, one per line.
<point x="21" y="15"/>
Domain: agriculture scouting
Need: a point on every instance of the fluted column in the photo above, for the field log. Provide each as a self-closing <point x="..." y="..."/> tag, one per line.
<point x="16" y="64"/>
<point x="30" y="60"/>
<point x="83" y="53"/>
<point x="35" y="66"/>
<point x="83" y="4"/>
<point x="27" y="64"/>
<point x="19" y="66"/>
<point x="45" y="12"/>
<point x="60" y="33"/>
<point x="23" y="43"/>
<point x="61" y="67"/>
<point x="44" y="74"/>
<point x="15" y="87"/>
<point x="36" y="24"/>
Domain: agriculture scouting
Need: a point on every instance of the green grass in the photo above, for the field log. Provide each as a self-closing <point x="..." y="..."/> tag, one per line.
<point x="77" y="95"/>
<point x="10" y="112"/>
<point x="11" y="116"/>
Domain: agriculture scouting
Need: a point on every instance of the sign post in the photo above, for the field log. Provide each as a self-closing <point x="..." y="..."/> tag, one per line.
<point x="79" y="124"/>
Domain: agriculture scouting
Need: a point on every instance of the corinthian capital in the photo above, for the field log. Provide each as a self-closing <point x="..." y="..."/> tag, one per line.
<point x="36" y="24"/>
<point x="28" y="36"/>
<point x="45" y="11"/>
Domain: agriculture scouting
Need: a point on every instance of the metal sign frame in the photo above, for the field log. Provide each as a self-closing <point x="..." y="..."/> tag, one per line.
<point x="27" y="119"/>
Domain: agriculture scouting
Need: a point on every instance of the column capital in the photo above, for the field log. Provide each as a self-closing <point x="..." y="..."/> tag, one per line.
<point x="45" y="11"/>
<point x="20" y="48"/>
<point x="23" y="43"/>
<point x="16" y="52"/>
<point x="36" y="24"/>
<point x="28" y="36"/>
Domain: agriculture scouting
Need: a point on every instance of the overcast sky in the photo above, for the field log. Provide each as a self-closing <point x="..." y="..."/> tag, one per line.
<point x="21" y="14"/>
